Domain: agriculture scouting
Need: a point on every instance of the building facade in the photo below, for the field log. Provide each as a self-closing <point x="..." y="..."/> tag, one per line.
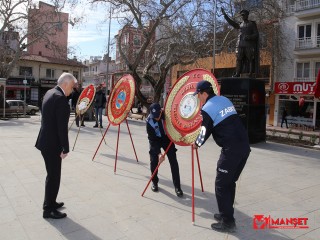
<point x="54" y="42"/>
<point x="98" y="71"/>
<point x="131" y="42"/>
<point x="295" y="85"/>
<point x="39" y="68"/>
<point x="41" y="74"/>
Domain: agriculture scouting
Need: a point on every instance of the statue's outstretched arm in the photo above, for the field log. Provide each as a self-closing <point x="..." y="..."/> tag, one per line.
<point x="229" y="20"/>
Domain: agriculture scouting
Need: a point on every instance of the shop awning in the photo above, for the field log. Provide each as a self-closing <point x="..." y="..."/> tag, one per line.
<point x="16" y="87"/>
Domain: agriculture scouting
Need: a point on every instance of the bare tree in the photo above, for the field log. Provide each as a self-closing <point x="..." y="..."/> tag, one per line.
<point x="173" y="33"/>
<point x="19" y="21"/>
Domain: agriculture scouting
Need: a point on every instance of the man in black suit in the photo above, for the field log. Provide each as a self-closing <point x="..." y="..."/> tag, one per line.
<point x="53" y="140"/>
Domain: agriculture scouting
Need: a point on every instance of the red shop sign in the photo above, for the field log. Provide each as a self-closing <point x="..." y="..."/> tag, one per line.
<point x="306" y="88"/>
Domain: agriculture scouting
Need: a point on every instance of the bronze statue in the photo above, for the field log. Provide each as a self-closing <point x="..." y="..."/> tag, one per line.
<point x="247" y="48"/>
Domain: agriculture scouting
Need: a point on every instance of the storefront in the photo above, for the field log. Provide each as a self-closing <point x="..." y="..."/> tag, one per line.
<point x="18" y="86"/>
<point x="45" y="85"/>
<point x="302" y="107"/>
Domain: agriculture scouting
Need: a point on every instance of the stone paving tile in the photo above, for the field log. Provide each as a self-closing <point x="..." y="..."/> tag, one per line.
<point x="13" y="230"/>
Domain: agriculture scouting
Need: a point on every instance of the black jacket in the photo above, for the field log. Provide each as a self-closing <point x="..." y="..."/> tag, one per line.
<point x="100" y="99"/>
<point x="53" y="135"/>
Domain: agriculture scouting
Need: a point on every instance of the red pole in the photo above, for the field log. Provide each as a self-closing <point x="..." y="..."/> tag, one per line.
<point x="199" y="169"/>
<point x="131" y="140"/>
<point x="115" y="163"/>
<point x="154" y="172"/>
<point x="192" y="165"/>
<point x="101" y="141"/>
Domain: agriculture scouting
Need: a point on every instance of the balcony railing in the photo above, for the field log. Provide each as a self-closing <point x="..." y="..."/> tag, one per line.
<point x="307" y="43"/>
<point x="301" y="5"/>
<point x="306" y="4"/>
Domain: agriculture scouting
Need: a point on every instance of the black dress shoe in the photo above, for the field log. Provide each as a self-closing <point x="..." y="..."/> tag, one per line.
<point x="58" y="205"/>
<point x="83" y="125"/>
<point x="224" y="227"/>
<point x="179" y="192"/>
<point x="236" y="75"/>
<point x="154" y="187"/>
<point x="95" y="126"/>
<point x="54" y="214"/>
<point x="217" y="216"/>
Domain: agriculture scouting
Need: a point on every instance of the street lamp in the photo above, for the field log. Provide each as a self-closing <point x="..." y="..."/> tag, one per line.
<point x="25" y="93"/>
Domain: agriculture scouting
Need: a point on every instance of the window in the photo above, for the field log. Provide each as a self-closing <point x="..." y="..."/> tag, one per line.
<point x="25" y="71"/>
<point x="125" y="38"/>
<point x="303" y="71"/>
<point x="65" y="71"/>
<point x="50" y="73"/>
<point x="304" y="31"/>
<point x="304" y="36"/>
<point x="13" y="104"/>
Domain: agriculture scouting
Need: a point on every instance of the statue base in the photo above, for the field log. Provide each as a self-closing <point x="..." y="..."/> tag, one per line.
<point x="248" y="75"/>
<point x="248" y="97"/>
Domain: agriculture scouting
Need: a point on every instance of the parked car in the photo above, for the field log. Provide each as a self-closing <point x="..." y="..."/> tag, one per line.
<point x="17" y="106"/>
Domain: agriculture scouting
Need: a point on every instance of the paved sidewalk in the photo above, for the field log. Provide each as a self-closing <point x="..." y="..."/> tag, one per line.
<point x="279" y="180"/>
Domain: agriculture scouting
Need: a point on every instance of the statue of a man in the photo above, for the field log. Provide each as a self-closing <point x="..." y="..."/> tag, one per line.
<point x="247" y="48"/>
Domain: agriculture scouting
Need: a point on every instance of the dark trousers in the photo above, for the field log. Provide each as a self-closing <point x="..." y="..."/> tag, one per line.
<point x="53" y="167"/>
<point x="154" y="151"/>
<point x="78" y="117"/>
<point x="98" y="111"/>
<point x="284" y="120"/>
<point x="229" y="168"/>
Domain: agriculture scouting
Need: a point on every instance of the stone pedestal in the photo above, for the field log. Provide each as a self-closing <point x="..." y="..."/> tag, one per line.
<point x="248" y="97"/>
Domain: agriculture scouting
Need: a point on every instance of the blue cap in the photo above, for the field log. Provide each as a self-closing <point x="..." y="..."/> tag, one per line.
<point x="155" y="110"/>
<point x="202" y="85"/>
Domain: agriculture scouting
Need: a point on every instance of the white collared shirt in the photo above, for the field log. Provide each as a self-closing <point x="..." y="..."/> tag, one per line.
<point x="62" y="90"/>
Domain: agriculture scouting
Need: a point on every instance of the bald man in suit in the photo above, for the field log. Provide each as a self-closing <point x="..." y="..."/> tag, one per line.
<point x="53" y="140"/>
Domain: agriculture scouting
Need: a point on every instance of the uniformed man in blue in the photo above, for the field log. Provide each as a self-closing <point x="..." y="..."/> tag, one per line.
<point x="221" y="120"/>
<point x="158" y="139"/>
